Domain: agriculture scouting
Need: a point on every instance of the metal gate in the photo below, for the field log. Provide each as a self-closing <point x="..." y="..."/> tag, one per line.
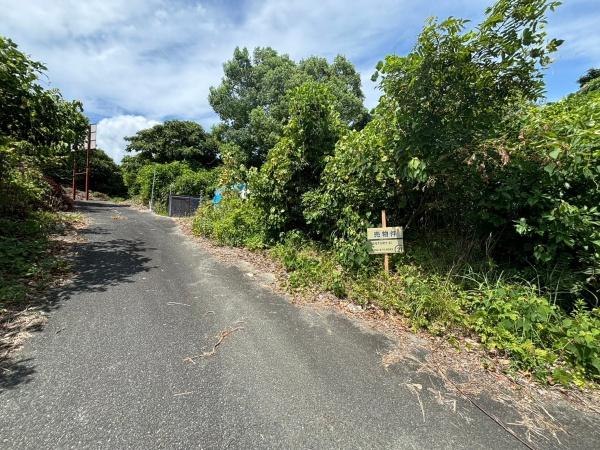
<point x="183" y="205"/>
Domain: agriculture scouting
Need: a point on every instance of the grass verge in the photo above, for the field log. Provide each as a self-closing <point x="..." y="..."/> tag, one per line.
<point x="31" y="260"/>
<point x="443" y="286"/>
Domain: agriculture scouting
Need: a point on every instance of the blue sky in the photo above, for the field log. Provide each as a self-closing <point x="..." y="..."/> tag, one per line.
<point x="135" y="63"/>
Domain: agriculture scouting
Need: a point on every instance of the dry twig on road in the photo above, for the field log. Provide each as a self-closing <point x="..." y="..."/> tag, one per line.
<point x="222" y="335"/>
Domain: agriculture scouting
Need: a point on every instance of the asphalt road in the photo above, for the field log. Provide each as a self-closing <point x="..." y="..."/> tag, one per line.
<point x="108" y="370"/>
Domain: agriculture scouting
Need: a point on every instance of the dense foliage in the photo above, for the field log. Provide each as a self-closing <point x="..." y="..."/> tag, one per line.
<point x="38" y="129"/>
<point x="176" y="178"/>
<point x="421" y="157"/>
<point x="174" y="140"/>
<point x="105" y="174"/>
<point x="252" y="102"/>
<point x="26" y="261"/>
<point x="497" y="193"/>
<point x="183" y="156"/>
<point x="232" y="222"/>
<point x="295" y="163"/>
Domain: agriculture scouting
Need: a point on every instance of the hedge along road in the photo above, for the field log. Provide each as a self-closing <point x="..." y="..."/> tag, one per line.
<point x="110" y="371"/>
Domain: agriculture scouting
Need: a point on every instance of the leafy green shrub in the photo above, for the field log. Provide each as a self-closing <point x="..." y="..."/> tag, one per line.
<point x="308" y="265"/>
<point x="577" y="340"/>
<point x="24" y="255"/>
<point x="515" y="319"/>
<point x="428" y="301"/>
<point x="163" y="180"/>
<point x="417" y="158"/>
<point x="538" y="335"/>
<point x="176" y="178"/>
<point x="201" y="182"/>
<point x="559" y="148"/>
<point x="294" y="165"/>
<point x="22" y="186"/>
<point x="233" y="221"/>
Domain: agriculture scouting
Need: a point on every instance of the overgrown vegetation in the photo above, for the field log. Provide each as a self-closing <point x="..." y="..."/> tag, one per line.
<point x="497" y="193"/>
<point x="183" y="156"/>
<point x="105" y="174"/>
<point x="27" y="261"/>
<point x="38" y="128"/>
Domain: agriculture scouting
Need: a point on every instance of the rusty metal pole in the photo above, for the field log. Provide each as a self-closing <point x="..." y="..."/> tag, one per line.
<point x="87" y="164"/>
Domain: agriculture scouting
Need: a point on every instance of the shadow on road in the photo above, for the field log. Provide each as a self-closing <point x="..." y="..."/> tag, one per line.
<point x="100" y="265"/>
<point x="97" y="265"/>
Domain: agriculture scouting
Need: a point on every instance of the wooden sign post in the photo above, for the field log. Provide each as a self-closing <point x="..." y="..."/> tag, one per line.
<point x="385" y="240"/>
<point x="386" y="257"/>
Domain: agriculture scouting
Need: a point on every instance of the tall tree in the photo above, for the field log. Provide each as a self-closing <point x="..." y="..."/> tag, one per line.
<point x="37" y="128"/>
<point x="252" y="102"/>
<point x="590" y="75"/>
<point x="295" y="164"/>
<point x="174" y="140"/>
<point x="31" y="113"/>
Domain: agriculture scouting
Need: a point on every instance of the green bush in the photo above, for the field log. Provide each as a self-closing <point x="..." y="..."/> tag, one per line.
<point x="201" y="182"/>
<point x="309" y="266"/>
<point x="162" y="176"/>
<point x="176" y="178"/>
<point x="538" y="335"/>
<point x="22" y="186"/>
<point x="294" y="165"/>
<point x="577" y="340"/>
<point x="557" y="161"/>
<point x="25" y="260"/>
<point x="233" y="221"/>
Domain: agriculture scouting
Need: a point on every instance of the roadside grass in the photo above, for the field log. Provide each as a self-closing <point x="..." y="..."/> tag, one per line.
<point x="32" y="259"/>
<point x="447" y="287"/>
<point x="28" y="260"/>
<point x="136" y="201"/>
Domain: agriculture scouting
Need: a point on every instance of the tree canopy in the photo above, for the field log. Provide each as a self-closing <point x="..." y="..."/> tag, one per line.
<point x="252" y="102"/>
<point x="31" y="113"/>
<point x="591" y="74"/>
<point x="37" y="128"/>
<point x="174" y="140"/>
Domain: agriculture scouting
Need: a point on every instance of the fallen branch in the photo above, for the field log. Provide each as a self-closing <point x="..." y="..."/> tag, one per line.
<point x="415" y="387"/>
<point x="225" y="333"/>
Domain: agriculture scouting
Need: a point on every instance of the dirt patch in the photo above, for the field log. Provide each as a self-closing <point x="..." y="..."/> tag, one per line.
<point x="467" y="371"/>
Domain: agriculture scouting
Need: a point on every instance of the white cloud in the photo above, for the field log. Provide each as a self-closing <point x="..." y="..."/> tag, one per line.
<point x="158" y="58"/>
<point x="111" y="133"/>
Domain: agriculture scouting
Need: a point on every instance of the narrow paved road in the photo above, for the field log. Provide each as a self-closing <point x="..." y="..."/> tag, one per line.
<point x="108" y="371"/>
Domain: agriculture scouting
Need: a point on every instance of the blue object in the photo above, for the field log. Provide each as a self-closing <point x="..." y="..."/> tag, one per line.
<point x="240" y="188"/>
<point x="218" y="196"/>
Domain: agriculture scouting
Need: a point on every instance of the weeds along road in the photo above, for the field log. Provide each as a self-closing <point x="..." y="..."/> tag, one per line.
<point x="110" y="371"/>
